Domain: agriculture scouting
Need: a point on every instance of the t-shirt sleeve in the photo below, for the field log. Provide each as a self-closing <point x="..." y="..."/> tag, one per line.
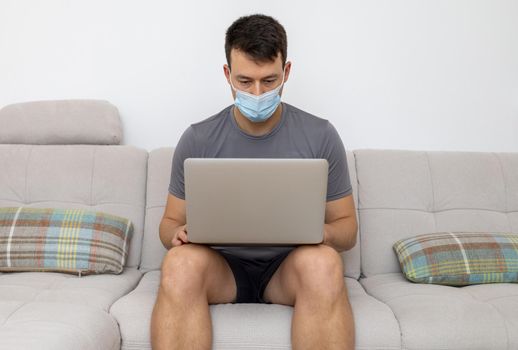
<point x="338" y="181"/>
<point x="183" y="150"/>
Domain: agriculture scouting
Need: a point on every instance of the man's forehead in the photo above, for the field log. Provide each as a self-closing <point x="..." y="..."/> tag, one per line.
<point x="242" y="64"/>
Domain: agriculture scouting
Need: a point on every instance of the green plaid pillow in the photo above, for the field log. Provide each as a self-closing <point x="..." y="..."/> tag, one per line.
<point x="63" y="240"/>
<point x="459" y="258"/>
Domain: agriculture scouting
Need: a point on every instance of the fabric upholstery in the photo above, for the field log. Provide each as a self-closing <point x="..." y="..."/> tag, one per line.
<point x="56" y="326"/>
<point x="98" y="291"/>
<point x="61" y="122"/>
<point x="430" y="316"/>
<point x="54" y="311"/>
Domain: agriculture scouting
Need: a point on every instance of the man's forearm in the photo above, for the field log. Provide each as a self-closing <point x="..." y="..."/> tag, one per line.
<point x="167" y="230"/>
<point x="341" y="234"/>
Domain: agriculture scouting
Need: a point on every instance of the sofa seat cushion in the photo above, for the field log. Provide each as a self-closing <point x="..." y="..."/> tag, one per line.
<point x="98" y="291"/>
<point x="56" y="326"/>
<point x="254" y="326"/>
<point x="432" y="316"/>
<point x="54" y="311"/>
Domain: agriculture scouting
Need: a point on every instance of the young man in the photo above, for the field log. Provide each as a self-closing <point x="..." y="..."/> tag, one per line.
<point x="308" y="277"/>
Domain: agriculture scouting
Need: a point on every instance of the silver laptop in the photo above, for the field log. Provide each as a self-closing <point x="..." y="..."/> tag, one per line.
<point x="255" y="201"/>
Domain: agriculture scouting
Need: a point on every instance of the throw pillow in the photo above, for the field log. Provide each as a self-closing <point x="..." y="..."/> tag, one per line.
<point x="63" y="240"/>
<point x="459" y="258"/>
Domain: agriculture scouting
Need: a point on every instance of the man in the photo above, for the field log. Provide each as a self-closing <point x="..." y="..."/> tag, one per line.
<point x="308" y="277"/>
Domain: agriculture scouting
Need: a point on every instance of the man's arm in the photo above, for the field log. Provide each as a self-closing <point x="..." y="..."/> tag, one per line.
<point x="173" y="219"/>
<point x="341" y="226"/>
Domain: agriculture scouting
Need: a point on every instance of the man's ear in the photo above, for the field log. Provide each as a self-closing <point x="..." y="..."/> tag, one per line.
<point x="226" y="71"/>
<point x="287" y="69"/>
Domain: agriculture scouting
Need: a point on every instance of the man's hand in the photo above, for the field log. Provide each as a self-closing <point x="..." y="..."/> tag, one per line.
<point x="180" y="236"/>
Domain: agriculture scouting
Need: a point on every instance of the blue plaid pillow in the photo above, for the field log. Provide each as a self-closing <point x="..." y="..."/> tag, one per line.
<point x="459" y="258"/>
<point x="63" y="240"/>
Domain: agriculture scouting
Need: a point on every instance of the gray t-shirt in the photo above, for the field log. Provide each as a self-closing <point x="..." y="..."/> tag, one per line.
<point x="298" y="134"/>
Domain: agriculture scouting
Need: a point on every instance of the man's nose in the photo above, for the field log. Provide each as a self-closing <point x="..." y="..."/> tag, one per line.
<point x="257" y="89"/>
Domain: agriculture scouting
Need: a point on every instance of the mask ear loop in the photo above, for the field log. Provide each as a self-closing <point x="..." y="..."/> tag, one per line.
<point x="283" y="76"/>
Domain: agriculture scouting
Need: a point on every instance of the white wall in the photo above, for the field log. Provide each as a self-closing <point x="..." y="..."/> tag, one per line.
<point x="428" y="75"/>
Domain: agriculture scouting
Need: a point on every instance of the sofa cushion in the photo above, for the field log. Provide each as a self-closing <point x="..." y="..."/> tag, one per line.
<point x="65" y="240"/>
<point x="56" y="326"/>
<point x="402" y="192"/>
<point x="111" y="179"/>
<point x="159" y="174"/>
<point x="254" y="326"/>
<point x="99" y="291"/>
<point x="53" y="311"/>
<point x="459" y="258"/>
<point x="61" y="122"/>
<point x="483" y="316"/>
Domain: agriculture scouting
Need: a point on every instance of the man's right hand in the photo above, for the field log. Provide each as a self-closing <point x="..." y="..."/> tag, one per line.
<point x="180" y="236"/>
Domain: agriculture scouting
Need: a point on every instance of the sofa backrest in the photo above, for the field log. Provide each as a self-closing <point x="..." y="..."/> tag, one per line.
<point x="403" y="193"/>
<point x="159" y="173"/>
<point x="101" y="177"/>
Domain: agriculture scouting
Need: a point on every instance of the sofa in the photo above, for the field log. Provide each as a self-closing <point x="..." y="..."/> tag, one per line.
<point x="69" y="153"/>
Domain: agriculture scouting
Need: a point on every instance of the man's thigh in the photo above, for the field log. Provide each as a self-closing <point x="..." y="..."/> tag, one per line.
<point x="219" y="279"/>
<point x="285" y="282"/>
<point x="281" y="287"/>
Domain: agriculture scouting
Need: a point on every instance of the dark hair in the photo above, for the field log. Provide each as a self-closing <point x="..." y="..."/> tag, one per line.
<point x="261" y="37"/>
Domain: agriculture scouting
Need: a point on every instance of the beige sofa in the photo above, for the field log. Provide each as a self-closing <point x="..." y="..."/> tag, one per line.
<point x="69" y="154"/>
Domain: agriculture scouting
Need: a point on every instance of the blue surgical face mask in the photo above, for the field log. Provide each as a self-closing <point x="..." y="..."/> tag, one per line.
<point x="258" y="108"/>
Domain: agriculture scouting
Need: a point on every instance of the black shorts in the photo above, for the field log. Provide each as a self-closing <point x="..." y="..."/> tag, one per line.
<point x="252" y="275"/>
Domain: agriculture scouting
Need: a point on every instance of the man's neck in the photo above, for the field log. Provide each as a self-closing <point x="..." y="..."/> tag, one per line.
<point x="257" y="129"/>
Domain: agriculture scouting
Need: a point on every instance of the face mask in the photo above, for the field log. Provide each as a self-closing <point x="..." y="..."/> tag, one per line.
<point x="258" y="108"/>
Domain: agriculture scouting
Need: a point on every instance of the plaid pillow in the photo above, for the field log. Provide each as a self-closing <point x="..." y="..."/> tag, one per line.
<point x="63" y="240"/>
<point x="459" y="258"/>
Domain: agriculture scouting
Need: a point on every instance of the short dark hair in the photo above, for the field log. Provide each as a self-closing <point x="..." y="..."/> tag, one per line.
<point x="261" y="37"/>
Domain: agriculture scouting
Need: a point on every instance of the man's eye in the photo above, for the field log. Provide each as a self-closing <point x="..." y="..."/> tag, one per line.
<point x="269" y="81"/>
<point x="245" y="82"/>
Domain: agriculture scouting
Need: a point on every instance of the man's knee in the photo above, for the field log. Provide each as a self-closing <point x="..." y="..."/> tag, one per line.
<point x="319" y="269"/>
<point x="184" y="269"/>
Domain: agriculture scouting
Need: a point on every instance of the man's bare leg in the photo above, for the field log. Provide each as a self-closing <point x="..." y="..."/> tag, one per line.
<point x="322" y="325"/>
<point x="192" y="277"/>
<point x="311" y="280"/>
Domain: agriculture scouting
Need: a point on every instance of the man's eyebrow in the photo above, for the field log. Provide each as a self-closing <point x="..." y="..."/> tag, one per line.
<point x="240" y="76"/>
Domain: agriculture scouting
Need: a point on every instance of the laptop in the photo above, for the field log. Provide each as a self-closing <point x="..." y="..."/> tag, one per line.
<point x="255" y="201"/>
